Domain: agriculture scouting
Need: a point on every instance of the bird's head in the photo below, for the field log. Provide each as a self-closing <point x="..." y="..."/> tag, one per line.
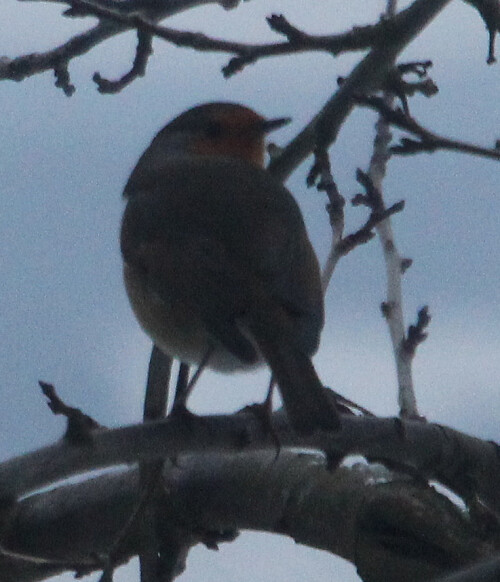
<point x="218" y="129"/>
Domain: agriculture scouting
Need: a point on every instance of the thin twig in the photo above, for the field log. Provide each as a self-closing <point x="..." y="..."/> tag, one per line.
<point x="119" y="17"/>
<point x="365" y="233"/>
<point x="143" y="52"/>
<point x="79" y="425"/>
<point x="25" y="66"/>
<point x="372" y="181"/>
<point x="343" y="245"/>
<point x="322" y="169"/>
<point x="416" y="333"/>
<point x="393" y="265"/>
<point x="429" y="141"/>
<point x="358" y="38"/>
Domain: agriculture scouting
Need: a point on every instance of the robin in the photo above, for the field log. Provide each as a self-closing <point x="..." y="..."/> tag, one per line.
<point x="218" y="266"/>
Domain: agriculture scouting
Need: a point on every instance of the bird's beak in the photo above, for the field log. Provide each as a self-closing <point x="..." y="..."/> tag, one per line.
<point x="269" y="125"/>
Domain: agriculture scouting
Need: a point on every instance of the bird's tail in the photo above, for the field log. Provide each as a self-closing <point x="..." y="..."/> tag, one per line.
<point x="306" y="400"/>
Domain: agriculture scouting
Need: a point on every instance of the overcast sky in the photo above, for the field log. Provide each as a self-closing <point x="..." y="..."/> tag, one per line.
<point x="64" y="315"/>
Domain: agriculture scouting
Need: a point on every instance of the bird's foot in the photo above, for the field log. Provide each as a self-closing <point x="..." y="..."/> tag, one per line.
<point x="182" y="414"/>
<point x="264" y="414"/>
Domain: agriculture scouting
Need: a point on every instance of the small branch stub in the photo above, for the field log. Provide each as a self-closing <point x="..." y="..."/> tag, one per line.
<point x="79" y="425"/>
<point x="416" y="333"/>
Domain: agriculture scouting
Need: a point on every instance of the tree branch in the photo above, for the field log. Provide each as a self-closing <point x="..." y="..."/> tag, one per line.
<point x="468" y="466"/>
<point x="25" y="66"/>
<point x="143" y="52"/>
<point x="392" y="307"/>
<point x="143" y="15"/>
<point x="429" y="141"/>
<point x="367" y="76"/>
<point x="355" y="512"/>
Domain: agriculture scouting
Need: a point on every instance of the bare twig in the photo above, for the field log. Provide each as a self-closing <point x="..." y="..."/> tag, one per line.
<point x="118" y="17"/>
<point x="429" y="141"/>
<point x="79" y="424"/>
<point x="416" y="333"/>
<point x="61" y="74"/>
<point x="367" y="76"/>
<point x="25" y="66"/>
<point x="143" y="52"/>
<point x="365" y="233"/>
<point x="342" y="245"/>
<point x="359" y="38"/>
<point x="372" y="182"/>
<point x="322" y="130"/>
<point x="397" y="85"/>
<point x="321" y="169"/>
<point x="392" y="307"/>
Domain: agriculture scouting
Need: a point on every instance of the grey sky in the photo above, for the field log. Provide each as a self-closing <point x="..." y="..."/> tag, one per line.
<point x="64" y="316"/>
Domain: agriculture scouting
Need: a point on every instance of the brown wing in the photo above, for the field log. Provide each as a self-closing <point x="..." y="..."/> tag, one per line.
<point x="199" y="288"/>
<point x="246" y="223"/>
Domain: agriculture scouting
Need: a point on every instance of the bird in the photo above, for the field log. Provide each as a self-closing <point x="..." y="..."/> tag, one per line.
<point x="218" y="265"/>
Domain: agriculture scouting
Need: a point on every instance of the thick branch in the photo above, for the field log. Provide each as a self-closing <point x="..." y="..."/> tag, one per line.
<point x="398" y="523"/>
<point x="465" y="464"/>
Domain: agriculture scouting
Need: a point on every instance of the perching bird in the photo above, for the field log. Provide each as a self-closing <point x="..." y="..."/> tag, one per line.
<point x="218" y="266"/>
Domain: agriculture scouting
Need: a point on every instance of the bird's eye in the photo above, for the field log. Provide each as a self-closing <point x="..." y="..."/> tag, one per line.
<point x="213" y="130"/>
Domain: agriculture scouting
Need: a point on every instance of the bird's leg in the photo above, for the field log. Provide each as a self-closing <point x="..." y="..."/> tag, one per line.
<point x="264" y="412"/>
<point x="267" y="406"/>
<point x="201" y="367"/>
<point x="183" y="389"/>
<point x="181" y="395"/>
<point x="184" y="386"/>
